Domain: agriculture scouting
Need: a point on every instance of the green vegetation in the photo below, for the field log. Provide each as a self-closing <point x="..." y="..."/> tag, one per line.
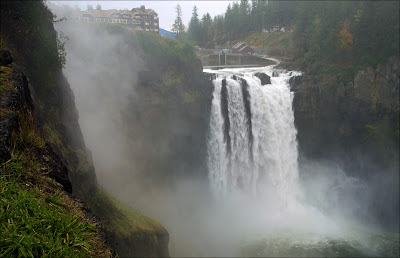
<point x="28" y="135"/>
<point x="27" y="31"/>
<point x="36" y="218"/>
<point x="155" y="49"/>
<point x="120" y="219"/>
<point x="329" y="37"/>
<point x="278" y="44"/>
<point x="25" y="28"/>
<point x="178" y="26"/>
<point x="164" y="50"/>
<point x="37" y="224"/>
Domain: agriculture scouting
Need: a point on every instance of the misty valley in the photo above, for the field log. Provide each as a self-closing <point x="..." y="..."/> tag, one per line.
<point x="172" y="153"/>
<point x="216" y="159"/>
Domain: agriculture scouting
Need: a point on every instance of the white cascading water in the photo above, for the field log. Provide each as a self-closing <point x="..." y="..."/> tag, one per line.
<point x="253" y="149"/>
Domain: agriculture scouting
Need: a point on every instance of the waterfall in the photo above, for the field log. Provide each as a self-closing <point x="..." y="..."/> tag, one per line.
<point x="252" y="147"/>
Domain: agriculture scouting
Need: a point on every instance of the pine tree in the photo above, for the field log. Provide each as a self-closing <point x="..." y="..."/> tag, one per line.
<point x="178" y="26"/>
<point x="194" y="31"/>
<point x="206" y="24"/>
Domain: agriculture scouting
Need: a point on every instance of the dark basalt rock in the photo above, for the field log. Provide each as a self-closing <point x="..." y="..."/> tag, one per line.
<point x="20" y="98"/>
<point x="275" y="74"/>
<point x="295" y="82"/>
<point x="5" y="58"/>
<point x="16" y="100"/>
<point x="58" y="171"/>
<point x="265" y="79"/>
<point x="7" y="126"/>
<point x="225" y="115"/>
<point x="247" y="107"/>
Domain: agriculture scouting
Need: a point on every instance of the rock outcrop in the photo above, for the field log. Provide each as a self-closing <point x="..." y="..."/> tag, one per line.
<point x="265" y="79"/>
<point x="295" y="82"/>
<point x="362" y="115"/>
<point x="5" y="58"/>
<point x="16" y="104"/>
<point x="355" y="125"/>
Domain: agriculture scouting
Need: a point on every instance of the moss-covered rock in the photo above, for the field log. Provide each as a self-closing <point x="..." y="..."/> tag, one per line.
<point x="128" y="231"/>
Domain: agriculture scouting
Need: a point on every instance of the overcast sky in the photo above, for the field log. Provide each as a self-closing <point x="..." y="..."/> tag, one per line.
<point x="165" y="9"/>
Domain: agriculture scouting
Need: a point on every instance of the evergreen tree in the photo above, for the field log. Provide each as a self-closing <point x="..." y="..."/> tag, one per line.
<point x="194" y="30"/>
<point x="178" y="26"/>
<point x="244" y="14"/>
<point x="346" y="35"/>
<point x="206" y="25"/>
<point x="229" y="18"/>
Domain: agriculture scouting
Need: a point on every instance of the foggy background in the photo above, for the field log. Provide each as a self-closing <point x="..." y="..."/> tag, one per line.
<point x="166" y="10"/>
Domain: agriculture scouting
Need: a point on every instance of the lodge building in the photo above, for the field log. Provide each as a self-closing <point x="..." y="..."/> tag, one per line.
<point x="137" y="18"/>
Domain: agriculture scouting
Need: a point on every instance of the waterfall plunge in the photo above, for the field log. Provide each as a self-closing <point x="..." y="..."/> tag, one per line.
<point x="252" y="147"/>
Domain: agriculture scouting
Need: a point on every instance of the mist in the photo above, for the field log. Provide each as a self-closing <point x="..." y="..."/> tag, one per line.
<point x="103" y="70"/>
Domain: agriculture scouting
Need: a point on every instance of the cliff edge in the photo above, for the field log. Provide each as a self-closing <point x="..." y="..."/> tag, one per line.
<point x="48" y="105"/>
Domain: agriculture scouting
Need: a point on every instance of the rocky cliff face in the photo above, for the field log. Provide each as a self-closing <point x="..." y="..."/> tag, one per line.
<point x="355" y="125"/>
<point x="154" y="119"/>
<point x="168" y="121"/>
<point x="361" y="115"/>
<point x="144" y="108"/>
<point x="27" y="30"/>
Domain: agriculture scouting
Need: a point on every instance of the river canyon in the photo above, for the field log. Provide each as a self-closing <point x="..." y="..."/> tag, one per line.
<point x="116" y="140"/>
<point x="214" y="156"/>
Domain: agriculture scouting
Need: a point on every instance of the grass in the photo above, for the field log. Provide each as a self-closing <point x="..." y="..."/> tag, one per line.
<point x="36" y="217"/>
<point x="28" y="135"/>
<point x="35" y="222"/>
<point x="129" y="231"/>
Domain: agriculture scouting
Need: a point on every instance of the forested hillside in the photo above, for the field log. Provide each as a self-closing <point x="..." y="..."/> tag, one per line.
<point x="338" y="37"/>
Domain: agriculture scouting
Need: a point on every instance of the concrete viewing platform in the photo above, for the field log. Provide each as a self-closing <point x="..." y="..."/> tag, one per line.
<point x="216" y="62"/>
<point x="217" y="67"/>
